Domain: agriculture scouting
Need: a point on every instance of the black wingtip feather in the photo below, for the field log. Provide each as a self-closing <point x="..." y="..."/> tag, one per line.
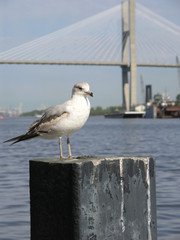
<point x="13" y="139"/>
<point x="20" y="138"/>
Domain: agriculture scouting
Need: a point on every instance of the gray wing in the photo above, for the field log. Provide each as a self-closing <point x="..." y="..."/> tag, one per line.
<point x="51" y="116"/>
<point x="44" y="124"/>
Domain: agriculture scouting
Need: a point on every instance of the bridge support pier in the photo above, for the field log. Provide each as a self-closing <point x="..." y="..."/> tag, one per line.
<point x="132" y="39"/>
<point x="125" y="89"/>
<point x="125" y="35"/>
<point x="128" y="30"/>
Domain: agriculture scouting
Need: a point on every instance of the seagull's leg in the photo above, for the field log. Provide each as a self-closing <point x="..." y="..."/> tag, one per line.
<point x="69" y="147"/>
<point x="60" y="148"/>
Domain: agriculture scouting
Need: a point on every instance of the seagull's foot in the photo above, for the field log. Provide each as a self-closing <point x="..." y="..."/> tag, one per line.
<point x="70" y="156"/>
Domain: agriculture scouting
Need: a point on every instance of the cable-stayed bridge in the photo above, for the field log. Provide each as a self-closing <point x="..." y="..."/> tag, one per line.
<point x="101" y="40"/>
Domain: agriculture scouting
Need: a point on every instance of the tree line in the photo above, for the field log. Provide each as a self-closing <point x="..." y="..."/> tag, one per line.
<point x="98" y="111"/>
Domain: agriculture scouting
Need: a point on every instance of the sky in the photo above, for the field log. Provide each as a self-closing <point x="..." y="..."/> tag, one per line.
<point x="38" y="86"/>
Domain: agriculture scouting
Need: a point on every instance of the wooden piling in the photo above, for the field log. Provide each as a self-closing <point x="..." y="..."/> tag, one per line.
<point x="93" y="198"/>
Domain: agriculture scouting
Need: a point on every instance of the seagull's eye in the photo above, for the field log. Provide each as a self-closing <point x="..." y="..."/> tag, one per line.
<point x="80" y="88"/>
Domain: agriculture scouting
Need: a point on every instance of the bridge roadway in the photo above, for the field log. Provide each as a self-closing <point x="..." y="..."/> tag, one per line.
<point x="89" y="63"/>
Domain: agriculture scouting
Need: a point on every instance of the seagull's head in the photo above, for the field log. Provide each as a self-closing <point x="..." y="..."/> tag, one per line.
<point x="82" y="89"/>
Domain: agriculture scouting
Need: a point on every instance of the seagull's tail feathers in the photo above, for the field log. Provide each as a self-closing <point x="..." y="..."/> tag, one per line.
<point x="22" y="137"/>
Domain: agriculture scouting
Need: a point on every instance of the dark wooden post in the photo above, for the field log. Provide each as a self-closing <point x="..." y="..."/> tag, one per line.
<point x="93" y="198"/>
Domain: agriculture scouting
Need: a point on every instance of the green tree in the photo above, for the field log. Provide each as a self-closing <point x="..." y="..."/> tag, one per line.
<point x="178" y="99"/>
<point x="97" y="111"/>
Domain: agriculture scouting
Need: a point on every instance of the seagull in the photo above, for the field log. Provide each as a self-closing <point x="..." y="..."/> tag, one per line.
<point x="61" y="120"/>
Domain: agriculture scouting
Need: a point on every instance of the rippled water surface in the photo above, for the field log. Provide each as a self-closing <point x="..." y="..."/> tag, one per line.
<point x="159" y="138"/>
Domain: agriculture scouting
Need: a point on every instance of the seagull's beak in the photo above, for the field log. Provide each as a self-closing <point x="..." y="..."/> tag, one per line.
<point x="90" y="93"/>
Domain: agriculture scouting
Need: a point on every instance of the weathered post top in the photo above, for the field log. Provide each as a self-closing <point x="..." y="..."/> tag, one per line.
<point x="93" y="198"/>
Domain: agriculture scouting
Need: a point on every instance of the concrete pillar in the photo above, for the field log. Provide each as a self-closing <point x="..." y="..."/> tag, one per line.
<point x="125" y="32"/>
<point x="125" y="36"/>
<point x="132" y="53"/>
<point x="125" y="88"/>
<point x="93" y="198"/>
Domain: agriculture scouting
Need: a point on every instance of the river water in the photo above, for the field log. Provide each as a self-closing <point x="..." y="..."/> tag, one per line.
<point x="158" y="138"/>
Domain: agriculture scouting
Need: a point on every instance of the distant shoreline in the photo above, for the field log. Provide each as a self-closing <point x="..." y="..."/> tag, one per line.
<point x="98" y="111"/>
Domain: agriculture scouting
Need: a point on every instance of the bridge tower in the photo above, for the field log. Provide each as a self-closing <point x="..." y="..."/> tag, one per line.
<point x="125" y="69"/>
<point x="128" y="31"/>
